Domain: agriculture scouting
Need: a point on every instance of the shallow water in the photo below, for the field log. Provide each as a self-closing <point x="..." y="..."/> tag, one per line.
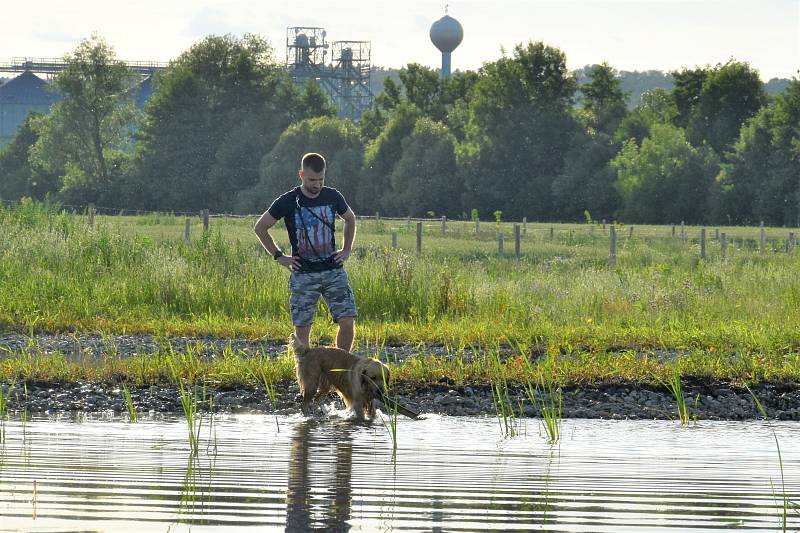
<point x="448" y="474"/>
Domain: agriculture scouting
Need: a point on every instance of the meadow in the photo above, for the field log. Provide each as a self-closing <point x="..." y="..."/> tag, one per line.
<point x="731" y="315"/>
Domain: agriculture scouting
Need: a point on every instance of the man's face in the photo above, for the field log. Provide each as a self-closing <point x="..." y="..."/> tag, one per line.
<point x="312" y="181"/>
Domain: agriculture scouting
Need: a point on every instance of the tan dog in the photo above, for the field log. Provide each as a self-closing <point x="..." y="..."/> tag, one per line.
<point x="359" y="381"/>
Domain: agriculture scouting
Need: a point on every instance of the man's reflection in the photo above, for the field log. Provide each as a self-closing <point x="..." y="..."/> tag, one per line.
<point x="327" y="509"/>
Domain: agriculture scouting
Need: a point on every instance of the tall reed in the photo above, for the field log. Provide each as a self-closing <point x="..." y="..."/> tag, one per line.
<point x="3" y="416"/>
<point x="189" y="404"/>
<point x="126" y="394"/>
<point x="501" y="396"/>
<point x="391" y="414"/>
<point x="785" y="503"/>
<point x="548" y="399"/>
<point x="675" y="387"/>
<point x="256" y="369"/>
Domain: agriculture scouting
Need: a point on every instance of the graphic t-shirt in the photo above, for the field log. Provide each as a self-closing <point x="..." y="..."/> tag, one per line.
<point x="310" y="223"/>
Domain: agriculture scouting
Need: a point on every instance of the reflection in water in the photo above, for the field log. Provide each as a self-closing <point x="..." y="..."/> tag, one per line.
<point x="306" y="472"/>
<point x="449" y="474"/>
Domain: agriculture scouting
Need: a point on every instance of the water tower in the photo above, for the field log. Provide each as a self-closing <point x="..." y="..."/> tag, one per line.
<point x="446" y="35"/>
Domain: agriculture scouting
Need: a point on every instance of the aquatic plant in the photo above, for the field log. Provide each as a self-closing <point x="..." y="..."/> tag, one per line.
<point x="257" y="370"/>
<point x="190" y="406"/>
<point x="785" y="503"/>
<point x="501" y="396"/>
<point x="548" y="400"/>
<point x="3" y="416"/>
<point x="675" y="387"/>
<point x="391" y="413"/>
<point x="126" y="394"/>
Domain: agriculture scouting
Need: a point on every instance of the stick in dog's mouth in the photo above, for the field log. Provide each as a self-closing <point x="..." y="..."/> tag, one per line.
<point x="392" y="403"/>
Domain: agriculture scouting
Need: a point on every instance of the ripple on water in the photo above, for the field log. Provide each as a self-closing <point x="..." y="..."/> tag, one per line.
<point x="448" y="472"/>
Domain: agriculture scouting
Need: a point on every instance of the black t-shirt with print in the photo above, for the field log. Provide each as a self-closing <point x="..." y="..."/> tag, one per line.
<point x="310" y="223"/>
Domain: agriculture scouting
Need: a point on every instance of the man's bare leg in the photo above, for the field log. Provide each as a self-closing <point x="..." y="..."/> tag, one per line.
<point x="346" y="333"/>
<point x="303" y="333"/>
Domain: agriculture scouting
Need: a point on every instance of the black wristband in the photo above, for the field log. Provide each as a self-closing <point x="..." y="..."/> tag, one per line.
<point x="278" y="253"/>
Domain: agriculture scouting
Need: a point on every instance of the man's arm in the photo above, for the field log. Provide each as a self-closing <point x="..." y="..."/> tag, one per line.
<point x="263" y="224"/>
<point x="349" y="236"/>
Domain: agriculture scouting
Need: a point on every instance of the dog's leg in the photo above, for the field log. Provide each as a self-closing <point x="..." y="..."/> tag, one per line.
<point x="308" y="389"/>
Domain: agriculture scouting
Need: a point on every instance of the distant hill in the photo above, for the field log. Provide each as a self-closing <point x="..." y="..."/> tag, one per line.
<point x="634" y="83"/>
<point x="776" y="85"/>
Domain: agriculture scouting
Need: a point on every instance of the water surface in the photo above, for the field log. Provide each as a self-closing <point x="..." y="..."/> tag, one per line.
<point x="448" y="474"/>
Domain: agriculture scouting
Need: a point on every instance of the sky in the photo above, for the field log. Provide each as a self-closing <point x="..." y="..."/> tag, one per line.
<point x="628" y="34"/>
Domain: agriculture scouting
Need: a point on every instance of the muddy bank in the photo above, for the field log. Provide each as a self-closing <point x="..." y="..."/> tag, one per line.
<point x="706" y="399"/>
<point x="712" y="401"/>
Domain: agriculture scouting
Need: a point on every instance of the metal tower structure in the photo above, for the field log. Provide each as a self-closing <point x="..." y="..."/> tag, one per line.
<point x="344" y="75"/>
<point x="50" y="66"/>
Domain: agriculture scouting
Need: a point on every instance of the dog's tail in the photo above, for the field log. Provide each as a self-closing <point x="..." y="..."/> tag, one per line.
<point x="298" y="347"/>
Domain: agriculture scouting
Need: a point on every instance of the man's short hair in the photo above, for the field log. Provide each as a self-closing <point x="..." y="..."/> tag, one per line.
<point x="313" y="162"/>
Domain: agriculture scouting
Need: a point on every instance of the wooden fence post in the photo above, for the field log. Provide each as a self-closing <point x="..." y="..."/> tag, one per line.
<point x="394" y="238"/>
<point x="477" y="226"/>
<point x="444" y="225"/>
<point x="204" y="214"/>
<point x="630" y="232"/>
<point x="763" y="238"/>
<point x="683" y="232"/>
<point x="551" y="234"/>
<point x="612" y="247"/>
<point x="90" y="212"/>
<point x="702" y="243"/>
<point x="673" y="231"/>
<point x="500" y="243"/>
<point x="792" y="242"/>
<point x="517" y="248"/>
<point x="186" y="229"/>
<point x="723" y="243"/>
<point x="419" y="237"/>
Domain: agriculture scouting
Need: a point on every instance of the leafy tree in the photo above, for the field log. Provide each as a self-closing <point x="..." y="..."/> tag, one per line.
<point x="686" y="94"/>
<point x="337" y="139"/>
<point x="587" y="180"/>
<point x="313" y="102"/>
<point x="441" y="99"/>
<point x="17" y="177"/>
<point x="374" y="119"/>
<point x="666" y="180"/>
<point x="603" y="99"/>
<point x="713" y="103"/>
<point x="519" y="131"/>
<point x="760" y="180"/>
<point x="656" y="107"/>
<point x="731" y="94"/>
<point x="423" y="88"/>
<point x="214" y="114"/>
<point x="91" y="125"/>
<point x="425" y="178"/>
<point x="586" y="183"/>
<point x="381" y="156"/>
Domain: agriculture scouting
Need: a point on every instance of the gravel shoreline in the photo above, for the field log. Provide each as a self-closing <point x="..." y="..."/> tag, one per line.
<point x="706" y="399"/>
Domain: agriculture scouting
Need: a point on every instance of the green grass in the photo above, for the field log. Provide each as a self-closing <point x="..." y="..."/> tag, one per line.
<point x="135" y="274"/>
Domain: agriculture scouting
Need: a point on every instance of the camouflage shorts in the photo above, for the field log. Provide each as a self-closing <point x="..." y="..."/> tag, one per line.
<point x="305" y="288"/>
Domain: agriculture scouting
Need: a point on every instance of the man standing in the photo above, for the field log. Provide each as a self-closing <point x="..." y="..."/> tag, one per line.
<point x="316" y="265"/>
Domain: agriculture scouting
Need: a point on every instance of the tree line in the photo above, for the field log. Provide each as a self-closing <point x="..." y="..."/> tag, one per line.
<point x="225" y="129"/>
